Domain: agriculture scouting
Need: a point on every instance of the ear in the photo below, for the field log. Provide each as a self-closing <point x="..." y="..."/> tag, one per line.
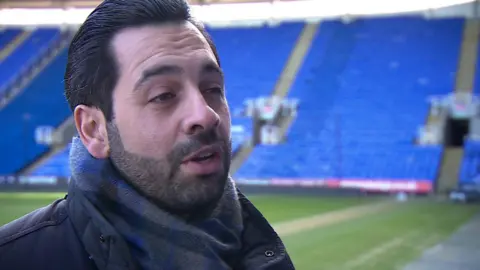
<point x="92" y="129"/>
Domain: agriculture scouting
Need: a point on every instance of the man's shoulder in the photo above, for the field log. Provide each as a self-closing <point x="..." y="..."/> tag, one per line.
<point x="34" y="222"/>
<point x="43" y="239"/>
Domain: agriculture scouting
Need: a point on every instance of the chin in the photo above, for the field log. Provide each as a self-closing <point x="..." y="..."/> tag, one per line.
<point x="194" y="192"/>
<point x="206" y="184"/>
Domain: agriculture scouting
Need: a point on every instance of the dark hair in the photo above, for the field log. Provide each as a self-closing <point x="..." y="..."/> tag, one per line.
<point x="92" y="72"/>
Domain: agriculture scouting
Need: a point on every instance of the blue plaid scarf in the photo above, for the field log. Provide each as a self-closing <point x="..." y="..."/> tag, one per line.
<point x="156" y="239"/>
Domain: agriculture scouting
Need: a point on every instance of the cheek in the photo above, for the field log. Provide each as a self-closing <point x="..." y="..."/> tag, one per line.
<point x="224" y="115"/>
<point x="148" y="138"/>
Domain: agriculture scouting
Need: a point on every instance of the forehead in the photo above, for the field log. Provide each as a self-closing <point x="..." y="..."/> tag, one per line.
<point x="136" y="47"/>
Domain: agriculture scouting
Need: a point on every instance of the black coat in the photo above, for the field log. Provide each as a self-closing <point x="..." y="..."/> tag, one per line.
<point x="49" y="238"/>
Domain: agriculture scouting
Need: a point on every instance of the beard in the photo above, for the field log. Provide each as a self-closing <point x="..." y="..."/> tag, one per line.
<point x="162" y="180"/>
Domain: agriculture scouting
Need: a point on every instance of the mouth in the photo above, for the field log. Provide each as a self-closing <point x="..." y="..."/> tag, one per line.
<point x="204" y="161"/>
<point x="203" y="154"/>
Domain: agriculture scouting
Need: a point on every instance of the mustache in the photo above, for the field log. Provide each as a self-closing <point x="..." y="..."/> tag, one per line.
<point x="195" y="142"/>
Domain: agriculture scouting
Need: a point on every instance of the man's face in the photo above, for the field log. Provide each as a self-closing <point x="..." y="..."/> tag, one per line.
<point x="170" y="136"/>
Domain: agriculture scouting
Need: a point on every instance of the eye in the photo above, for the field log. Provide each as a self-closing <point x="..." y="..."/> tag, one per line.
<point x="214" y="90"/>
<point x="165" y="97"/>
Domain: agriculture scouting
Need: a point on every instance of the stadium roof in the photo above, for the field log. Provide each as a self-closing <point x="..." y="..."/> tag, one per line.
<point x="226" y="13"/>
<point x="94" y="3"/>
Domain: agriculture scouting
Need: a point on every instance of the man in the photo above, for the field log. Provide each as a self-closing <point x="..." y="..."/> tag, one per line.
<point x="150" y="186"/>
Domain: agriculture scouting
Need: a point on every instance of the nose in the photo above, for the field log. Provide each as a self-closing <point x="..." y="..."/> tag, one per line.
<point x="199" y="115"/>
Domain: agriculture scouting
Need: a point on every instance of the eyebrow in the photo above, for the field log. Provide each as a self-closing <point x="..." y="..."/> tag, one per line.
<point x="163" y="70"/>
<point x="211" y="68"/>
<point x="160" y="70"/>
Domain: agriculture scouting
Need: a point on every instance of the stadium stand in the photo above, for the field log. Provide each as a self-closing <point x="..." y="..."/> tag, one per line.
<point x="26" y="53"/>
<point x="366" y="107"/>
<point x="253" y="58"/>
<point x="251" y="71"/>
<point x="7" y="35"/>
<point x="476" y="79"/>
<point x="362" y="91"/>
<point x="41" y="104"/>
<point x="470" y="168"/>
<point x="56" y="165"/>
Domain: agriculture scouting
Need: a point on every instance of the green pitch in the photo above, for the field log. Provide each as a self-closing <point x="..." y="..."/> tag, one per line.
<point x="15" y="205"/>
<point x="384" y="239"/>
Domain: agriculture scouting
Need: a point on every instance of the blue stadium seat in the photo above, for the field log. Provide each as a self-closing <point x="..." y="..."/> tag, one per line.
<point x="252" y="59"/>
<point x="366" y="106"/>
<point x="365" y="86"/>
<point x="25" y="53"/>
<point x="41" y="103"/>
<point x="58" y="165"/>
<point x="470" y="168"/>
<point x="7" y="36"/>
<point x="476" y="79"/>
<point x="246" y="124"/>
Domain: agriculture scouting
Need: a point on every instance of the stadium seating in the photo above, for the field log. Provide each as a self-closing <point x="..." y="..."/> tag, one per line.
<point x="7" y="36"/>
<point x="364" y="85"/>
<point x="470" y="168"/>
<point x="58" y="165"/>
<point x="239" y="138"/>
<point x="25" y="53"/>
<point x="476" y="79"/>
<point x="252" y="60"/>
<point x="41" y="104"/>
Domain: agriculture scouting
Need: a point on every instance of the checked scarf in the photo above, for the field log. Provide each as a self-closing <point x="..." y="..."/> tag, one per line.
<point x="156" y="239"/>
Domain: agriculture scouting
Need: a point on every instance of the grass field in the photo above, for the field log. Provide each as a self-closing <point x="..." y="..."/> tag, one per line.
<point x="349" y="233"/>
